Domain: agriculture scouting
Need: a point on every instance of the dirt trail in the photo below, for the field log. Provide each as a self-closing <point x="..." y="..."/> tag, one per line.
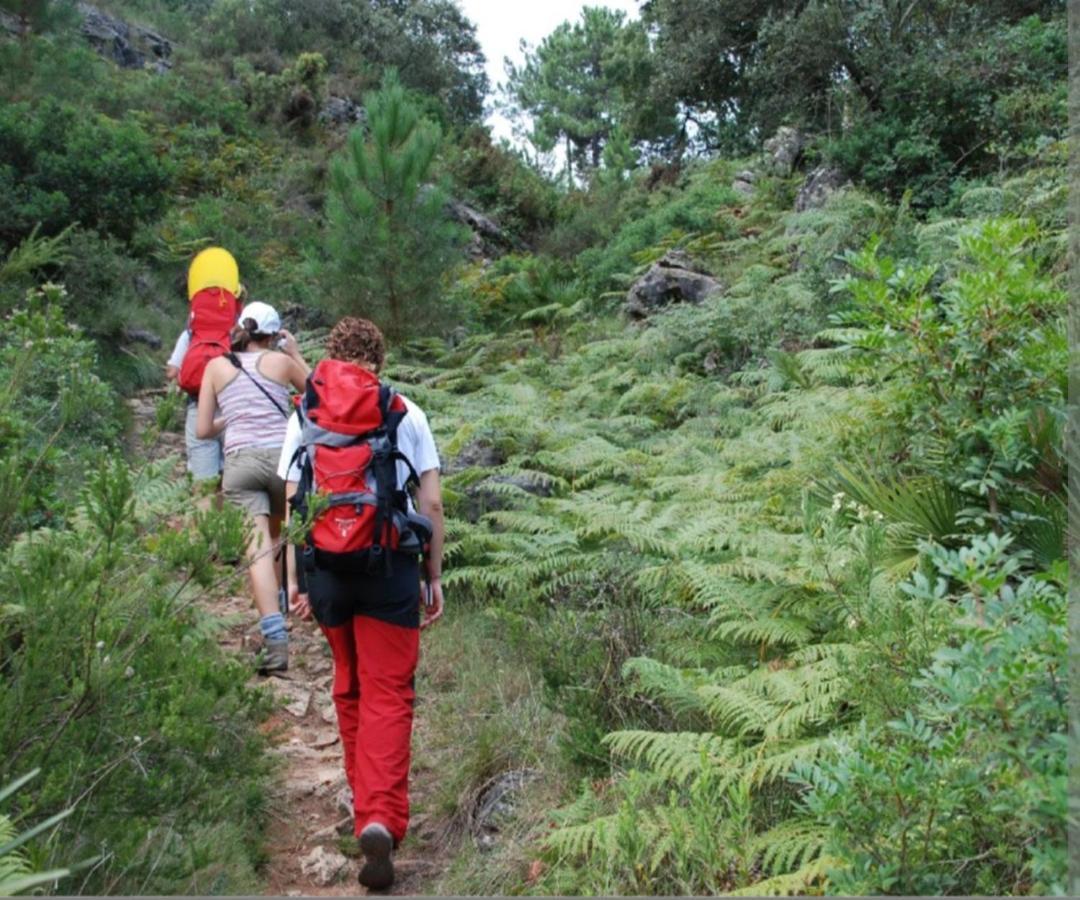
<point x="306" y="854"/>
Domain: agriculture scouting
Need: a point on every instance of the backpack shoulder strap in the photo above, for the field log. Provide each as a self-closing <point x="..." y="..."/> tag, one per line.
<point x="235" y="360"/>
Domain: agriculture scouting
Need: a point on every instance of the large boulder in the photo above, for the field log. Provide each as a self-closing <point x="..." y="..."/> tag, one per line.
<point x="489" y="241"/>
<point x="674" y="278"/>
<point x="783" y="150"/>
<point x="340" y="112"/>
<point x="820" y="185"/>
<point x="476" y="454"/>
<point x="129" y="46"/>
<point x="743" y="185"/>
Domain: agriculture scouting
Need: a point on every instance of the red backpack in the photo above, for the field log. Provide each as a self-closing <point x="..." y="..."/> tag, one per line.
<point x="214" y="312"/>
<point x="348" y="458"/>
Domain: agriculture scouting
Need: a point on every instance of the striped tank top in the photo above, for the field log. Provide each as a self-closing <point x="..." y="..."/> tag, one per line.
<point x="251" y="420"/>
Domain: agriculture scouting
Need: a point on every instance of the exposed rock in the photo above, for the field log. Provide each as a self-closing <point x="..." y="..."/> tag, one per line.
<point x="489" y="241"/>
<point x="129" y="46"/>
<point x="496" y="803"/>
<point x="675" y="278"/>
<point x="297" y="318"/>
<point x="784" y="149"/>
<point x="323" y="866"/>
<point x="744" y="183"/>
<point x="477" y="454"/>
<point x="142" y="336"/>
<point x="322" y="739"/>
<point x="10" y="24"/>
<point x="820" y="185"/>
<point x="296" y="698"/>
<point x="341" y="112"/>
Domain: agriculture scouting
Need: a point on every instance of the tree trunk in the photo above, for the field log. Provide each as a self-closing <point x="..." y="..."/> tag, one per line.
<point x="569" y="167"/>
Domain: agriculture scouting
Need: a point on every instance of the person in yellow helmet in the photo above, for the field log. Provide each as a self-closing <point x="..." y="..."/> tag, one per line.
<point x="214" y="292"/>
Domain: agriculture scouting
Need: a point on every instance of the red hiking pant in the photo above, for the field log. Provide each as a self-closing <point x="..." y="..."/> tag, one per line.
<point x="374" y="667"/>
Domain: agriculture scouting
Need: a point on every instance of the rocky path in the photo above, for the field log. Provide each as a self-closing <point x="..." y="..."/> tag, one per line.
<point x="307" y="853"/>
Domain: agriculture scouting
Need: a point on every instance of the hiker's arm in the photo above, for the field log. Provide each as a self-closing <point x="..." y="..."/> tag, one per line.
<point x="298" y="600"/>
<point x="429" y="503"/>
<point x="172" y="367"/>
<point x="292" y="350"/>
<point x="206" y="426"/>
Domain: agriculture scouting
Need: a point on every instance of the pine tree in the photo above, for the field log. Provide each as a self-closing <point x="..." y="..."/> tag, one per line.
<point x="390" y="236"/>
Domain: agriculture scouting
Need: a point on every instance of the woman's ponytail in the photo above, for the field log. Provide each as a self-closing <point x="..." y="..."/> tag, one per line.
<point x="243" y="334"/>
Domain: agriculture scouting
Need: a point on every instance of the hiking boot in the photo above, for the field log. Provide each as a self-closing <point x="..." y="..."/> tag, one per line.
<point x="273" y="657"/>
<point x="376" y="842"/>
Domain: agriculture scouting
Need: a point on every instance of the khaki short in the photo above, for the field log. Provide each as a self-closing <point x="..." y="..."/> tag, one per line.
<point x="251" y="481"/>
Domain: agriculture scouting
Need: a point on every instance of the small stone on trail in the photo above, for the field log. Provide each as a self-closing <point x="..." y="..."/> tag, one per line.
<point x="323" y="739"/>
<point x="323" y="866"/>
<point x="297" y="698"/>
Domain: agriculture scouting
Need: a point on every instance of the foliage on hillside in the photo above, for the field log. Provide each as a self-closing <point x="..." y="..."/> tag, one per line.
<point x="787" y="565"/>
<point x="743" y="587"/>
<point x="113" y="686"/>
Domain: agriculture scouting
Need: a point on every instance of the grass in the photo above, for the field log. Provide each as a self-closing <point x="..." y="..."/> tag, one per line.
<point x="481" y="716"/>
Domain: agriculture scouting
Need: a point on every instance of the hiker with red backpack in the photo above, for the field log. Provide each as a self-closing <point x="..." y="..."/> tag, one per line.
<point x="354" y="455"/>
<point x="214" y="292"/>
<point x="245" y="393"/>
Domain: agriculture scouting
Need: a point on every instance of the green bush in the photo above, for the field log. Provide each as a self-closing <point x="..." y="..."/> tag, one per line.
<point x="113" y="683"/>
<point x="962" y="108"/>
<point x="644" y="220"/>
<point x="974" y="361"/>
<point x="59" y="165"/>
<point x="495" y="179"/>
<point x="115" y="688"/>
<point x="966" y="794"/>
<point x="56" y="413"/>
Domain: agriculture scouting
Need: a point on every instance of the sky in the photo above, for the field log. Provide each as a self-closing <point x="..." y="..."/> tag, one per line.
<point x="501" y="24"/>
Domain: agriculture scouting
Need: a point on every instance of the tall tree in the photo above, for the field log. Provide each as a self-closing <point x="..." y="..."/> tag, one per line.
<point x="390" y="236"/>
<point x="912" y="90"/>
<point x="584" y="81"/>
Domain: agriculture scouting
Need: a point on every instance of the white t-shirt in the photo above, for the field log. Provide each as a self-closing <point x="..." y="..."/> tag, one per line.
<point x="414" y="439"/>
<point x="181" y="349"/>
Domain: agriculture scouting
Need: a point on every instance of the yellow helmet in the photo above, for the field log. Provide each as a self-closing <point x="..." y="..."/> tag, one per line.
<point x="213" y="267"/>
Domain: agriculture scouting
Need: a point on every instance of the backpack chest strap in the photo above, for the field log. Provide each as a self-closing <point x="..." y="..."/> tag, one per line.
<point x="354" y="498"/>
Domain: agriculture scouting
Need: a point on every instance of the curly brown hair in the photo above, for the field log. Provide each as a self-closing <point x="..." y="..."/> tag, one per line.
<point x="357" y="341"/>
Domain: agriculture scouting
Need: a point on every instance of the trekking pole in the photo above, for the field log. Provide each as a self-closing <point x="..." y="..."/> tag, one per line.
<point x="283" y="587"/>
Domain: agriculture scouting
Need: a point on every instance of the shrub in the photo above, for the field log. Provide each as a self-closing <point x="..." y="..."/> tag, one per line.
<point x="112" y="682"/>
<point x="502" y="184"/>
<point x="966" y="794"/>
<point x="58" y="166"/>
<point x="55" y="412"/>
<point x="975" y="358"/>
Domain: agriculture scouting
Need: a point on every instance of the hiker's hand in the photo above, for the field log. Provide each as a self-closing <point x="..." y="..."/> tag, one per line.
<point x="434" y="612"/>
<point x="299" y="604"/>
<point x="288" y="342"/>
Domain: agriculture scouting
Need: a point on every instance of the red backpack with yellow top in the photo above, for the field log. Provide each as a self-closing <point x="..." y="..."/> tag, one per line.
<point x="214" y="312"/>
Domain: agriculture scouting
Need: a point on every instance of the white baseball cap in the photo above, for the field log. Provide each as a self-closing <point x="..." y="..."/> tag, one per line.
<point x="266" y="319"/>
